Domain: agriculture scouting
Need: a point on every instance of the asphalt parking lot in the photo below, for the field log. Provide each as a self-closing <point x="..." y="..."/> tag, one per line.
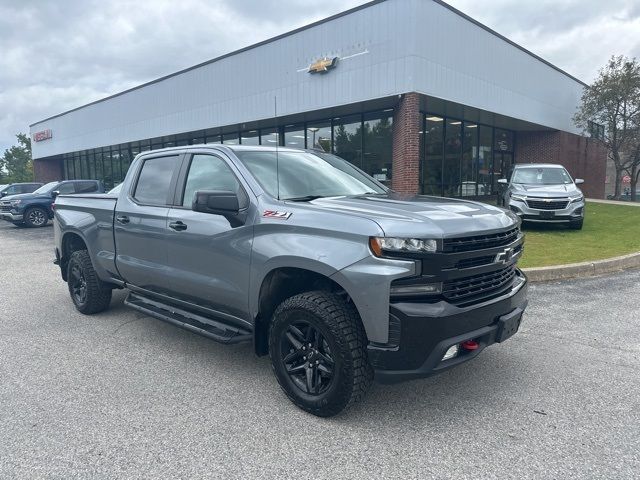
<point x="121" y="395"/>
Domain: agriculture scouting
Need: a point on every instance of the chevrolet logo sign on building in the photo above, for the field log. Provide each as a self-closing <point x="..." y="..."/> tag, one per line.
<point x="323" y="65"/>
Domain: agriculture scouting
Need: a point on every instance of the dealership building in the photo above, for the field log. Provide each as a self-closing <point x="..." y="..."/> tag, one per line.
<point x="414" y="92"/>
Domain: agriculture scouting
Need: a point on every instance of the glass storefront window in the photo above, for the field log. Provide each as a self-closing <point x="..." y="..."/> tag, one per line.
<point x="269" y="137"/>
<point x="213" y="139"/>
<point x="107" y="165"/>
<point x="230" y="139"/>
<point x="252" y="137"/>
<point x="378" y="146"/>
<point x="319" y="136"/>
<point x="503" y="140"/>
<point x="433" y="151"/>
<point x="468" y="169"/>
<point x="294" y="136"/>
<point x="347" y="139"/>
<point x="125" y="161"/>
<point x="463" y="158"/>
<point x="485" y="159"/>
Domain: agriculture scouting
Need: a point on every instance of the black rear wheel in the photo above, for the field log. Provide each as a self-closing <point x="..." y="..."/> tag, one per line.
<point x="318" y="352"/>
<point x="88" y="292"/>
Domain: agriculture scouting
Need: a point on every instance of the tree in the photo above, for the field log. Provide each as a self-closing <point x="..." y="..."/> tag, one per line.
<point x="16" y="164"/>
<point x="613" y="101"/>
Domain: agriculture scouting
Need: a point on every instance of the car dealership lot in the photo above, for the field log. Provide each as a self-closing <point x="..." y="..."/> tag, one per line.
<point x="123" y="395"/>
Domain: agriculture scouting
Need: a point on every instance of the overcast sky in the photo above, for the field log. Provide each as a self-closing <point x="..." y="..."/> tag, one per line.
<point x="60" y="54"/>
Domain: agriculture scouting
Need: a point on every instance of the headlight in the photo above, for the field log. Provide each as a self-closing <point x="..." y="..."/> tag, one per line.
<point x="520" y="198"/>
<point x="401" y="245"/>
<point x="15" y="203"/>
<point x="576" y="199"/>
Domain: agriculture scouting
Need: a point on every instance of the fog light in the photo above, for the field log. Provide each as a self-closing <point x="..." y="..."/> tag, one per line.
<point x="452" y="352"/>
<point x="415" y="289"/>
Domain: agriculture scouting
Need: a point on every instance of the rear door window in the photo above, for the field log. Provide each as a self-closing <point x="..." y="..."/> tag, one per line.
<point x="86" y="187"/>
<point x="154" y="180"/>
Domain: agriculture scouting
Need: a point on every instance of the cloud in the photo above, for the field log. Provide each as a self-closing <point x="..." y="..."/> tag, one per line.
<point x="58" y="55"/>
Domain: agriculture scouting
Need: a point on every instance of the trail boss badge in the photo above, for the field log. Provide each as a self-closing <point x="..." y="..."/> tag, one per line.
<point x="277" y="215"/>
<point x="323" y="65"/>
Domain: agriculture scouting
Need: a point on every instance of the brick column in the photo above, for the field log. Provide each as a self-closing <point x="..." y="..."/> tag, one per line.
<point x="406" y="144"/>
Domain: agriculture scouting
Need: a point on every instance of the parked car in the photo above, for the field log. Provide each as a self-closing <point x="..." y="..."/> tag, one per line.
<point x="34" y="209"/>
<point x="17" y="188"/>
<point x="323" y="268"/>
<point x="546" y="193"/>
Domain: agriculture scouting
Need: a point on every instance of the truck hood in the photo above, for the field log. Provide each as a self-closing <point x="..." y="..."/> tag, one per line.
<point x="421" y="216"/>
<point x="24" y="196"/>
<point x="546" y="191"/>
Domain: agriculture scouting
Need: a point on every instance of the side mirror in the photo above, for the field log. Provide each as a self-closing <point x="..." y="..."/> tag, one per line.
<point x="503" y="181"/>
<point x="216" y="202"/>
<point x="578" y="181"/>
<point x="220" y="202"/>
<point x="55" y="193"/>
<point x="3" y="194"/>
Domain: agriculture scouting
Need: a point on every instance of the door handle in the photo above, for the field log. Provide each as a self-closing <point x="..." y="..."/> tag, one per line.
<point x="122" y="219"/>
<point x="178" y="226"/>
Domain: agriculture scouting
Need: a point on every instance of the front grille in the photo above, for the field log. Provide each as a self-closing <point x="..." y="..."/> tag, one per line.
<point x="475" y="262"/>
<point x="547" y="204"/>
<point x="467" y="289"/>
<point x="479" y="242"/>
<point x="5" y="207"/>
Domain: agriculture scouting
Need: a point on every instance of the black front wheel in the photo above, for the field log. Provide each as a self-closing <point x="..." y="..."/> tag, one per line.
<point x="36" y="217"/>
<point x="88" y="292"/>
<point x="576" y="225"/>
<point x="318" y="352"/>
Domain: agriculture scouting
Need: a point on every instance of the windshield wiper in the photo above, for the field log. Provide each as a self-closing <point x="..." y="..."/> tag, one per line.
<point x="306" y="198"/>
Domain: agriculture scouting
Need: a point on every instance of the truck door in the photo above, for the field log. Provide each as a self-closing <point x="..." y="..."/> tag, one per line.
<point x="140" y="225"/>
<point x="208" y="258"/>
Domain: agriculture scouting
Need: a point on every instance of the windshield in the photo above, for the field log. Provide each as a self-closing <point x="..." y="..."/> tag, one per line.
<point x="47" y="188"/>
<point x="541" y="176"/>
<point x="305" y="175"/>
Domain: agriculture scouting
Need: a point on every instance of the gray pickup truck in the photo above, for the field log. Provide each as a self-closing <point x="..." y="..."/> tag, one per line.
<point x="338" y="279"/>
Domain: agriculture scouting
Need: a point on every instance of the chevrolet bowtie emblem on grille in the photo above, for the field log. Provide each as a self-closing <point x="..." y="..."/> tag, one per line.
<point x="547" y="200"/>
<point x="323" y="65"/>
<point x="505" y="256"/>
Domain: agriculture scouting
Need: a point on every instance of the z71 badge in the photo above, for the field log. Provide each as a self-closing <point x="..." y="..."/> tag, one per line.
<point x="277" y="215"/>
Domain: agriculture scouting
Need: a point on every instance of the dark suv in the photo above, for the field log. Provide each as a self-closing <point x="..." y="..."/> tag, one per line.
<point x="18" y="188"/>
<point x="34" y="209"/>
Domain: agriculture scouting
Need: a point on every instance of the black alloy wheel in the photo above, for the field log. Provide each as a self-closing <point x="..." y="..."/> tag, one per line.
<point x="307" y="358"/>
<point x="77" y="284"/>
<point x="36" y="217"/>
<point x="89" y="293"/>
<point x="318" y="350"/>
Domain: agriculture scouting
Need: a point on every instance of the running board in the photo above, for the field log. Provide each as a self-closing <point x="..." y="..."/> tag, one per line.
<point x="190" y="321"/>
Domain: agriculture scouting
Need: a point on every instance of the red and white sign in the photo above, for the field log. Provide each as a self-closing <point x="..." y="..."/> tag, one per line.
<point x="42" y="135"/>
<point x="626" y="179"/>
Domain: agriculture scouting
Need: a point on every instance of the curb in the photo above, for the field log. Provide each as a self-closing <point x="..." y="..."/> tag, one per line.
<point x="584" y="269"/>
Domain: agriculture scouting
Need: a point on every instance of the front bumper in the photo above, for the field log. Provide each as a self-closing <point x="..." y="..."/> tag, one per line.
<point x="572" y="213"/>
<point x="11" y="217"/>
<point x="425" y="331"/>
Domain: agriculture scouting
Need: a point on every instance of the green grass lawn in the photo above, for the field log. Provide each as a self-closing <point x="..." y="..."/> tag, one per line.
<point x="609" y="231"/>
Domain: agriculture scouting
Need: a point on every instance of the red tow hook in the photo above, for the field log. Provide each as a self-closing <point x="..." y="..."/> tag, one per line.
<point x="470" y="345"/>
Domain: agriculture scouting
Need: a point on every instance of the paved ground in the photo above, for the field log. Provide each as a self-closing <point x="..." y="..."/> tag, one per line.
<point x="121" y="395"/>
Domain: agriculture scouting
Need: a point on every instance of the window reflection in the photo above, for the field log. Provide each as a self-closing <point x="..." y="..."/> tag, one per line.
<point x="319" y="136"/>
<point x="347" y="139"/>
<point x="251" y="137"/>
<point x="294" y="136"/>
<point x="378" y="146"/>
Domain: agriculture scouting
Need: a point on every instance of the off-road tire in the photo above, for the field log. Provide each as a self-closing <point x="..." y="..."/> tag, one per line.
<point x="35" y="217"/>
<point x="576" y="225"/>
<point x="97" y="293"/>
<point x="337" y="320"/>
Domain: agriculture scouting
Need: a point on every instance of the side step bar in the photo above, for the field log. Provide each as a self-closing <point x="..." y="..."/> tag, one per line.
<point x="190" y="321"/>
